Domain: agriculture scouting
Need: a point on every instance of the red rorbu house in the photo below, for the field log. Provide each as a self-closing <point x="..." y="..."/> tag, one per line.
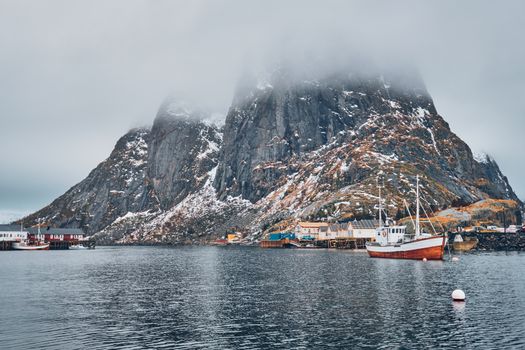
<point x="58" y="238"/>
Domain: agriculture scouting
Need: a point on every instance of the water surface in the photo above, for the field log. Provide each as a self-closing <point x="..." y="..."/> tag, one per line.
<point x="251" y="298"/>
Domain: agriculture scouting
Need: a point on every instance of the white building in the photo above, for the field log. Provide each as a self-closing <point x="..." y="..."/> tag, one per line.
<point x="336" y="231"/>
<point x="323" y="231"/>
<point x="365" y="228"/>
<point x="12" y="233"/>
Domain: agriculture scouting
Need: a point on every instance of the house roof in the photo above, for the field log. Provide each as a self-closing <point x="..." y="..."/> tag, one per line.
<point x="338" y="227"/>
<point x="313" y="224"/>
<point x="55" y="231"/>
<point x="10" y="228"/>
<point x="365" y="224"/>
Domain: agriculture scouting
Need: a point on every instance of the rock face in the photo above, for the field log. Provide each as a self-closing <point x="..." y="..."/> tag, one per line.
<point x="115" y="187"/>
<point x="285" y="119"/>
<point x="290" y="149"/>
<point x="184" y="148"/>
<point x="369" y="123"/>
<point x="496" y="241"/>
<point x="147" y="172"/>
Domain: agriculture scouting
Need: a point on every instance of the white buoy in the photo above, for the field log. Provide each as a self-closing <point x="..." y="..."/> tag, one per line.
<point x="458" y="295"/>
<point x="455" y="258"/>
<point x="424" y="259"/>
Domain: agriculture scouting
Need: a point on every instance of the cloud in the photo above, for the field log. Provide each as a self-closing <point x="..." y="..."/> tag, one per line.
<point x="8" y="216"/>
<point x="75" y="75"/>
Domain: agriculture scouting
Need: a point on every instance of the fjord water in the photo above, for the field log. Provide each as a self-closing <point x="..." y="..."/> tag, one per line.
<point x="244" y="298"/>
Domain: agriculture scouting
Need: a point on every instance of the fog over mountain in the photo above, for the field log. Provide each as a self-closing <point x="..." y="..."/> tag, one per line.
<point x="75" y="76"/>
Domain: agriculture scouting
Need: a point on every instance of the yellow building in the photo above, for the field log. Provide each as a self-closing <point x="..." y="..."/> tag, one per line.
<point x="232" y="237"/>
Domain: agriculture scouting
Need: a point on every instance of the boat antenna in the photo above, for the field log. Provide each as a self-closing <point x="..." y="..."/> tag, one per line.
<point x="418" y="232"/>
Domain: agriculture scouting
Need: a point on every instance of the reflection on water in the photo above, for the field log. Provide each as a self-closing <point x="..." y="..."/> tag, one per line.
<point x="459" y="308"/>
<point x="235" y="297"/>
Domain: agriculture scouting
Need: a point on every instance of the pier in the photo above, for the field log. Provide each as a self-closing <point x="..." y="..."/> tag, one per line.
<point x="6" y="245"/>
<point x="58" y="238"/>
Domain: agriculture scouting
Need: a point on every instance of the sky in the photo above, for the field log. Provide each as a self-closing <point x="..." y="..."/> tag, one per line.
<point x="76" y="75"/>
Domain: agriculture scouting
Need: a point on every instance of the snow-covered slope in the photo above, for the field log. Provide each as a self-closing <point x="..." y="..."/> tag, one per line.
<point x="290" y="149"/>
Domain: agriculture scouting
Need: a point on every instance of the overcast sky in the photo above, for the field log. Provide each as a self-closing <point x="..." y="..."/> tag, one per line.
<point x="76" y="75"/>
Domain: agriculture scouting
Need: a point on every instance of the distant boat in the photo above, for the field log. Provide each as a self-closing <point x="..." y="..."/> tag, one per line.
<point x="464" y="245"/>
<point x="220" y="242"/>
<point x="77" y="247"/>
<point x="27" y="244"/>
<point x="393" y="242"/>
<point x="30" y="246"/>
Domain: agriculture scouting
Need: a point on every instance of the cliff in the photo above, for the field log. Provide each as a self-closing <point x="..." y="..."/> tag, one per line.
<point x="292" y="148"/>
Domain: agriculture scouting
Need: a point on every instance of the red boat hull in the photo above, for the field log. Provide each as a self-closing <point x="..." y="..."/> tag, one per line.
<point x="411" y="250"/>
<point x="434" y="253"/>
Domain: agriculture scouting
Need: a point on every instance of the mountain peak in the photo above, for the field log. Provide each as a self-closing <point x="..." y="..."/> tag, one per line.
<point x="293" y="146"/>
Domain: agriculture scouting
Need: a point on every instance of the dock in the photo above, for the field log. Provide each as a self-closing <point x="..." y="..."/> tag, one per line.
<point x="58" y="238"/>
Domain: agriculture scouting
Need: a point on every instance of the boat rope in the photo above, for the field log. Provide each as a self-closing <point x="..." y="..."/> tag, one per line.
<point x="430" y="221"/>
<point x="409" y="213"/>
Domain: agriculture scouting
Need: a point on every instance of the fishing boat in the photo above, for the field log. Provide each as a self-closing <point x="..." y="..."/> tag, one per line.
<point x="394" y="242"/>
<point x="77" y="247"/>
<point x="26" y="245"/>
<point x="32" y="244"/>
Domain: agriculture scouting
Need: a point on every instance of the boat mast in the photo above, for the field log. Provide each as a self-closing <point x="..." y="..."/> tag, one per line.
<point x="39" y="238"/>
<point x="417" y="206"/>
<point x="380" y="217"/>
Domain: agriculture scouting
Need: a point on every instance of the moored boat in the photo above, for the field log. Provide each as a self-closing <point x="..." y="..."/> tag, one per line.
<point x="77" y="247"/>
<point x="393" y="241"/>
<point x="429" y="247"/>
<point x="220" y="242"/>
<point x="30" y="245"/>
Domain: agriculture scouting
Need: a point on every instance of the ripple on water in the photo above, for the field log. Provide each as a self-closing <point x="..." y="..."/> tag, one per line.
<point x="243" y="298"/>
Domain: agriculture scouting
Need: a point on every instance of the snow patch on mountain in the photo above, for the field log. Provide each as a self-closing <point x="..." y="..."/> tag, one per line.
<point x="481" y="157"/>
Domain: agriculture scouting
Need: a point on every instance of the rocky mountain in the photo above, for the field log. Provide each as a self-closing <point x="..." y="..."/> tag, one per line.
<point x="115" y="187"/>
<point x="291" y="148"/>
<point x="342" y="131"/>
<point x="148" y="171"/>
<point x="183" y="149"/>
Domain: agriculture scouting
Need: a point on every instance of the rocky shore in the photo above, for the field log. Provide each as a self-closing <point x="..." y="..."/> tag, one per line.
<point x="496" y="241"/>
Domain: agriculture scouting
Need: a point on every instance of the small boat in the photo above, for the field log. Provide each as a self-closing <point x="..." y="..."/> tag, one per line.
<point x="219" y="242"/>
<point x="393" y="241"/>
<point x="464" y="245"/>
<point x="293" y="244"/>
<point x="25" y="245"/>
<point x="77" y="247"/>
<point x="309" y="246"/>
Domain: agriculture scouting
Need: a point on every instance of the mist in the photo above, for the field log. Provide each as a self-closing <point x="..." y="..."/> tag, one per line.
<point x="76" y="75"/>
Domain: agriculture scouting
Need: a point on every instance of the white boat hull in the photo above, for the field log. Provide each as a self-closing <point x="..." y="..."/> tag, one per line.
<point x="430" y="248"/>
<point x="25" y="246"/>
